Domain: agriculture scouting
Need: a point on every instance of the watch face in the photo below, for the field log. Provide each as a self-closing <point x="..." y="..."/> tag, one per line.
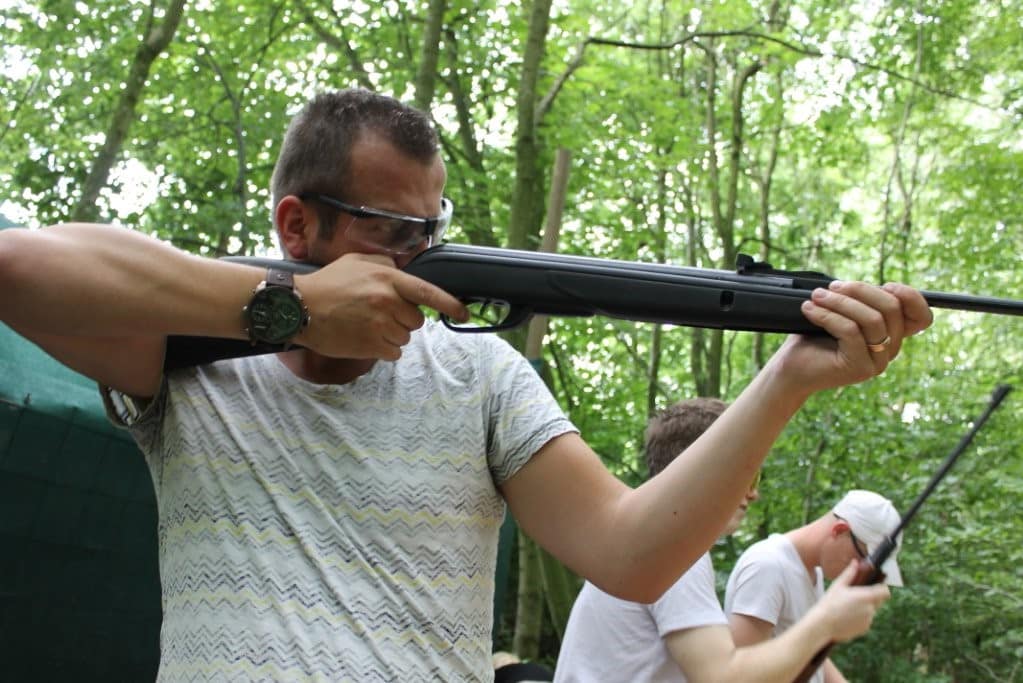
<point x="275" y="315"/>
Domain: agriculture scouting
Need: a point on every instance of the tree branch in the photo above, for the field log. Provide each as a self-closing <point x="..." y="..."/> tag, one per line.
<point x="808" y="50"/>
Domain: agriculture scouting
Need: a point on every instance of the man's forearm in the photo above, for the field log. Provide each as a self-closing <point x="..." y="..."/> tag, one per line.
<point x="93" y="280"/>
<point x="780" y="659"/>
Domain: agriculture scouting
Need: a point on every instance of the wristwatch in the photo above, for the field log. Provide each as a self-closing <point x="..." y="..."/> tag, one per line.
<point x="276" y="312"/>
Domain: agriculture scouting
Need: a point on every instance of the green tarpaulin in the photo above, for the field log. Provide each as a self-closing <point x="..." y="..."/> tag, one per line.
<point x="79" y="587"/>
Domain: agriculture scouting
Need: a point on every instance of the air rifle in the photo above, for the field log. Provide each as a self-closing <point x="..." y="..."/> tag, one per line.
<point x="505" y="287"/>
<point x="869" y="570"/>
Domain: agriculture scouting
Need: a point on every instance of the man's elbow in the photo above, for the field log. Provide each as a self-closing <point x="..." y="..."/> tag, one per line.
<point x="640" y="585"/>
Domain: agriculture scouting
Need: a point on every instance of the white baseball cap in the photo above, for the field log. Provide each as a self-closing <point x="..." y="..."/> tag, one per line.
<point x="872" y="518"/>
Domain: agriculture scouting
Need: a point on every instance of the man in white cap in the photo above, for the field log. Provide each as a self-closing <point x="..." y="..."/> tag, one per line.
<point x="777" y="580"/>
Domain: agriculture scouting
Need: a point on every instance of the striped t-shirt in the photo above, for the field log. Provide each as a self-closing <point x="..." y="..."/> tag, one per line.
<point x="339" y="532"/>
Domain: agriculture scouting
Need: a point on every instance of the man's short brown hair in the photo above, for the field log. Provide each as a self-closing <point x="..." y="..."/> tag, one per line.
<point x="676" y="427"/>
<point x="316" y="153"/>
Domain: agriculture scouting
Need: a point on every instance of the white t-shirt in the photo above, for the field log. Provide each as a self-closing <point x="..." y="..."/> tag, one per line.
<point x="770" y="582"/>
<point x="608" y="639"/>
<point x="339" y="532"/>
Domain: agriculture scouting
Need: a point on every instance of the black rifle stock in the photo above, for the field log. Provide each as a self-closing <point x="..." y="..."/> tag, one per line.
<point x="755" y="297"/>
<point x="868" y="571"/>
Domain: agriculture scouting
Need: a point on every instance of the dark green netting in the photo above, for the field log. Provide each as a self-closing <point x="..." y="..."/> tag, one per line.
<point x="79" y="587"/>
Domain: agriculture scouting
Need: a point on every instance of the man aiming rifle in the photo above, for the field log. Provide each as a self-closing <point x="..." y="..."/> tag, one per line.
<point x="332" y="511"/>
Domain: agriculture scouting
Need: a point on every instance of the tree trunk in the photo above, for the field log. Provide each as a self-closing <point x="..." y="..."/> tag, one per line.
<point x="560" y="588"/>
<point x="560" y="585"/>
<point x="896" y="175"/>
<point x="707" y="344"/>
<point x="766" y="178"/>
<point x="526" y="208"/>
<point x="529" y="605"/>
<point x="653" y="367"/>
<point x="546" y="580"/>
<point x="426" y="75"/>
<point x="549" y="244"/>
<point x="157" y="37"/>
<point x="474" y="212"/>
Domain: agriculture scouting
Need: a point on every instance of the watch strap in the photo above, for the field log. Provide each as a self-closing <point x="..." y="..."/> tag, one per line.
<point x="280" y="278"/>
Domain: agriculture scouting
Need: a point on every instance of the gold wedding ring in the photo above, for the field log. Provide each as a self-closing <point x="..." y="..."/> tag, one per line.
<point x="881" y="345"/>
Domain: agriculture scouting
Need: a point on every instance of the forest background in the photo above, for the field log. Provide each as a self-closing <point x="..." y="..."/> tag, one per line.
<point x="870" y="140"/>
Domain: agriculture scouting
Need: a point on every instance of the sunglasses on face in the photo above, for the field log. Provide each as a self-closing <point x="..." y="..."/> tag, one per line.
<point x="856" y="543"/>
<point x="394" y="233"/>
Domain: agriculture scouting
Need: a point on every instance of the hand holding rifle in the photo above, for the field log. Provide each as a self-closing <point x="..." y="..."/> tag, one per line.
<point x="869" y="570"/>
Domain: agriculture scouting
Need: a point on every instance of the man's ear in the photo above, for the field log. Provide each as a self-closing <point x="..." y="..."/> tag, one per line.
<point x="839" y="527"/>
<point x="297" y="224"/>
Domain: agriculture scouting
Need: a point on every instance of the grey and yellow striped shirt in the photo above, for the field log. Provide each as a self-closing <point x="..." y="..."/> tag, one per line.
<point x="339" y="532"/>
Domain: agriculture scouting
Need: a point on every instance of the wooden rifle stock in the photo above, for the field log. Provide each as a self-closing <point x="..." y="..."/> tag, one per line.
<point x="869" y="570"/>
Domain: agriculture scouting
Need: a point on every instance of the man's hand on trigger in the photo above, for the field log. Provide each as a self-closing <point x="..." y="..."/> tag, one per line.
<point x="850" y="609"/>
<point x="362" y="306"/>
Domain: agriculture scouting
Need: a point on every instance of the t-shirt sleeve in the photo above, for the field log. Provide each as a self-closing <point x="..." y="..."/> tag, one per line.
<point x="756" y="588"/>
<point x="691" y="602"/>
<point x="520" y="412"/>
<point x="141" y="417"/>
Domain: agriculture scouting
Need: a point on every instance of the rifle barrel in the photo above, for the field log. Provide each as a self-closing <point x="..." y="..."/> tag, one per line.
<point x="968" y="302"/>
